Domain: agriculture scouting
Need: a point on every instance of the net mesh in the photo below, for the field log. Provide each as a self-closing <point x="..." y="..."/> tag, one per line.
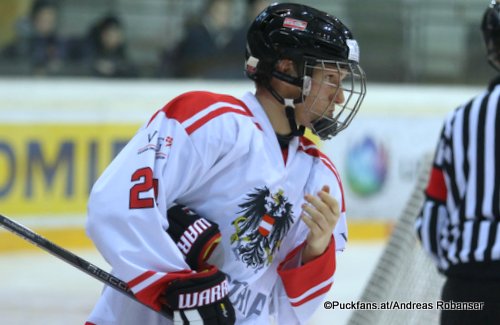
<point x="404" y="273"/>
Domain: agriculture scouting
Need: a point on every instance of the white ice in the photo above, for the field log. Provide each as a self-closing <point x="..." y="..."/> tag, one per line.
<point x="38" y="288"/>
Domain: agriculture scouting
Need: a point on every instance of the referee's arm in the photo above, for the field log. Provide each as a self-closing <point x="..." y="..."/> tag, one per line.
<point x="434" y="215"/>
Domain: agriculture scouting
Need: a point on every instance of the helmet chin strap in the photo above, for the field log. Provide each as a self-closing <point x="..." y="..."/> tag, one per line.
<point x="290" y="114"/>
<point x="289" y="105"/>
<point x="284" y="140"/>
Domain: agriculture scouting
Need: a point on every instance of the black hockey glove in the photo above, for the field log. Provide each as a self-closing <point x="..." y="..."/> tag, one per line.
<point x="200" y="298"/>
<point x="196" y="237"/>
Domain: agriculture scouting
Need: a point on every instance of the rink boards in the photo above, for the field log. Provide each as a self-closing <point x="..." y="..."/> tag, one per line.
<point x="57" y="136"/>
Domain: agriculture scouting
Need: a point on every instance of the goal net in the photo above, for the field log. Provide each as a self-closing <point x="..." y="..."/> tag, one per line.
<point x="404" y="275"/>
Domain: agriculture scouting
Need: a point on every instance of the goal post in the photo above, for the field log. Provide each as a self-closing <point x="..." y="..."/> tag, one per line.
<point x="404" y="274"/>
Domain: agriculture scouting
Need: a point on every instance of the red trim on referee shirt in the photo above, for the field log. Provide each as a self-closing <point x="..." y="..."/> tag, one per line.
<point x="310" y="148"/>
<point x="298" y="281"/>
<point x="436" y="188"/>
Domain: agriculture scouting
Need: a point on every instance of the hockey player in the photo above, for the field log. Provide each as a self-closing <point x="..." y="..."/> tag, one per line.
<point x="271" y="200"/>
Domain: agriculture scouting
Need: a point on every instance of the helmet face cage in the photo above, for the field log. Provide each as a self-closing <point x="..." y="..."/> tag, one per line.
<point x="332" y="94"/>
<point x="490" y="28"/>
<point x="320" y="45"/>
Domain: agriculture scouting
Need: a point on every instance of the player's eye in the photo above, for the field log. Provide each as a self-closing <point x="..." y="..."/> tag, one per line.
<point x="331" y="78"/>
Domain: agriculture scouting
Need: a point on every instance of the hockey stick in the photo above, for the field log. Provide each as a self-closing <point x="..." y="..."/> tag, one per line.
<point x="70" y="258"/>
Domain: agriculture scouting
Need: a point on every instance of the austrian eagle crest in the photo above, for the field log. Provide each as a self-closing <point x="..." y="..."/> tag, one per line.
<point x="264" y="221"/>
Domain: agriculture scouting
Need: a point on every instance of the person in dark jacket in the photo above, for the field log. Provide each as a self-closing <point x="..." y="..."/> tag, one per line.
<point x="38" y="48"/>
<point x="107" y="50"/>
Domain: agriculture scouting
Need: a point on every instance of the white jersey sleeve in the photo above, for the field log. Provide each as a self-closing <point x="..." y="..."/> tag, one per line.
<point x="128" y="204"/>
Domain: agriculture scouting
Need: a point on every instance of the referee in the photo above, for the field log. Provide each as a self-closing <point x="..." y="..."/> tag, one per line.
<point x="459" y="224"/>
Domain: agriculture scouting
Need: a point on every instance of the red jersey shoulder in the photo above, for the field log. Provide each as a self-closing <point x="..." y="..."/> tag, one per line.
<point x="195" y="108"/>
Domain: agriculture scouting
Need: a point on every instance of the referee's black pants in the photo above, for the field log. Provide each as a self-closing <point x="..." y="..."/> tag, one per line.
<point x="468" y="290"/>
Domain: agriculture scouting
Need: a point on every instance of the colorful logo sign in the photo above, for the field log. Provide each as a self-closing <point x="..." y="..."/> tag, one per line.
<point x="367" y="164"/>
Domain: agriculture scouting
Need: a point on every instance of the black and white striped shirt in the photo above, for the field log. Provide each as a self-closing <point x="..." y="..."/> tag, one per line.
<point x="460" y="220"/>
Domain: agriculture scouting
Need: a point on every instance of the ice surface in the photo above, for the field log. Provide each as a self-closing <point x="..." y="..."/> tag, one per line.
<point x="38" y="288"/>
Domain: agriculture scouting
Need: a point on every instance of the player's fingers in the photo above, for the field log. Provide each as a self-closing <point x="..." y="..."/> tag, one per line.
<point x="307" y="220"/>
<point x="333" y="207"/>
<point x="317" y="202"/>
<point x="316" y="216"/>
<point x="313" y="226"/>
<point x="329" y="201"/>
<point x="327" y="206"/>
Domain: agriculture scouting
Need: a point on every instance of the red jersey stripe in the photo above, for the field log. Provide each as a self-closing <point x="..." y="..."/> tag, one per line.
<point x="149" y="286"/>
<point x="200" y="122"/>
<point x="192" y="104"/>
<point x="188" y="104"/>
<point x="313" y="295"/>
<point x="140" y="278"/>
<point x="310" y="148"/>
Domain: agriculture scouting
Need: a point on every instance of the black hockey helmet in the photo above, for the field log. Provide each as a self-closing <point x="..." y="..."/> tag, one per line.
<point x="491" y="33"/>
<point x="293" y="31"/>
<point x="309" y="38"/>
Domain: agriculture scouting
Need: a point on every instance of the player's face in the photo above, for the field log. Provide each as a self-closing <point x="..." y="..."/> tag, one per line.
<point x="325" y="95"/>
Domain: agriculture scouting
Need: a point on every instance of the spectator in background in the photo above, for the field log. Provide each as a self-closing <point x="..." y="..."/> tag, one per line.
<point x="203" y="52"/>
<point x="237" y="44"/>
<point x="106" y="50"/>
<point x="38" y="47"/>
<point x="239" y="37"/>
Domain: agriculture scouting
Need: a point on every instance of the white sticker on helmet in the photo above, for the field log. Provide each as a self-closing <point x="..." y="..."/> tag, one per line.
<point x="353" y="50"/>
<point x="251" y="64"/>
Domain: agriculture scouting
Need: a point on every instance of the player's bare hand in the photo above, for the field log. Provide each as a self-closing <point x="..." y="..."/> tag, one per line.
<point x="320" y="214"/>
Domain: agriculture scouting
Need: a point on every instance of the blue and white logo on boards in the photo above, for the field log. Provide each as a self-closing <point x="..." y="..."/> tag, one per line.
<point x="367" y="165"/>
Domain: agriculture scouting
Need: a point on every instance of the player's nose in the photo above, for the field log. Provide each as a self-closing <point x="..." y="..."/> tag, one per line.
<point x="338" y="96"/>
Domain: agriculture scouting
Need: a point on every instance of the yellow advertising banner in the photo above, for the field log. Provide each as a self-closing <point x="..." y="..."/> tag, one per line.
<point x="49" y="169"/>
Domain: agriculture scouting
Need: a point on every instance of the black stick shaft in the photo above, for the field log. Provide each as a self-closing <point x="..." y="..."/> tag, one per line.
<point x="70" y="258"/>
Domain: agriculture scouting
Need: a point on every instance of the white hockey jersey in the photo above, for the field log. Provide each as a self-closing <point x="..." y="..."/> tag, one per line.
<point x="219" y="156"/>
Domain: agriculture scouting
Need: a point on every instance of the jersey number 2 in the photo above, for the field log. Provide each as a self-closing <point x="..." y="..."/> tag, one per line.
<point x="138" y="199"/>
